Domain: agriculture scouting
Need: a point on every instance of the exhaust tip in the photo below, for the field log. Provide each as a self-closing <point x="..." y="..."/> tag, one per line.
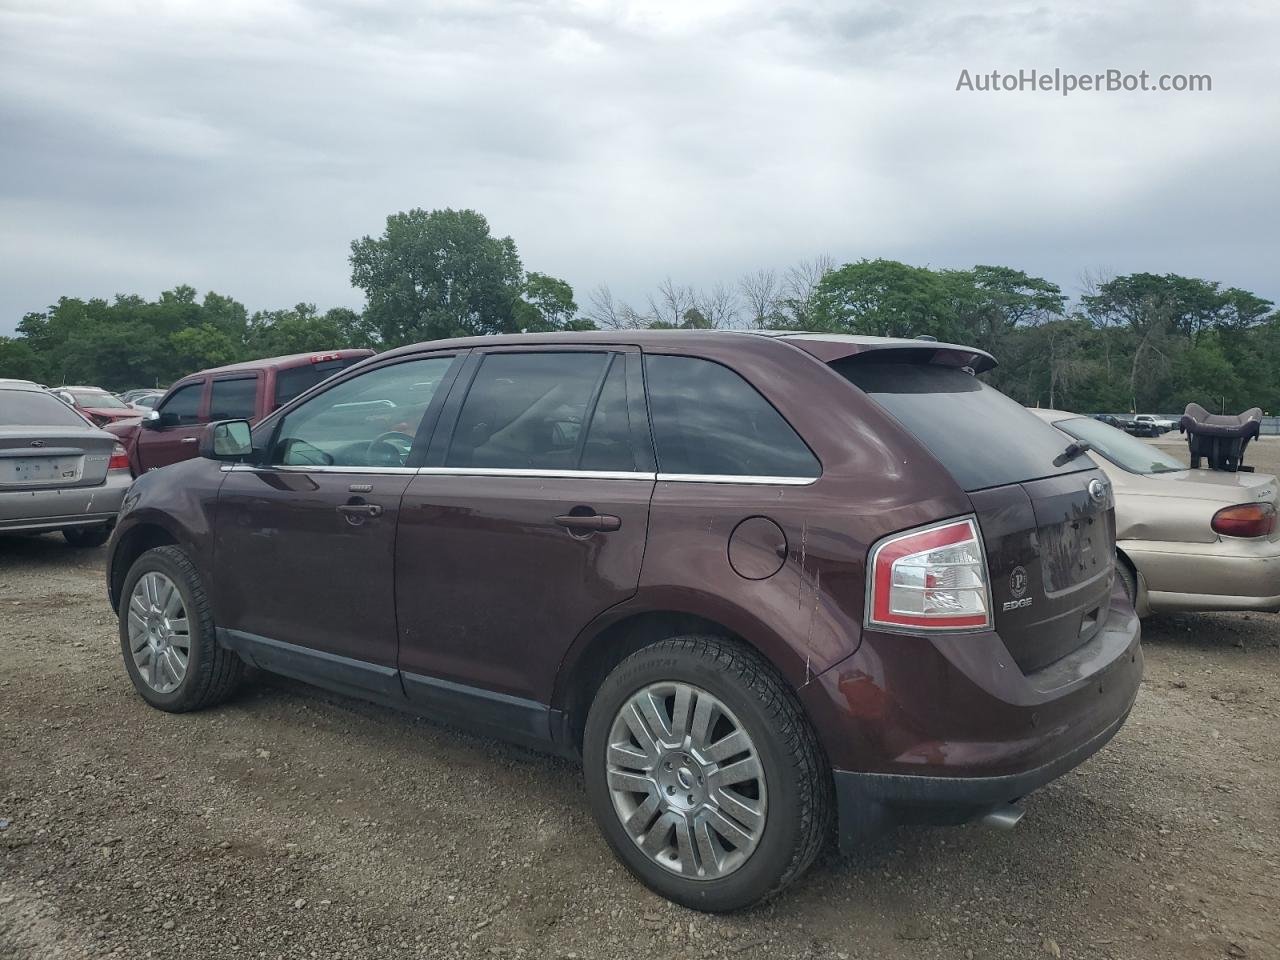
<point x="1004" y="817"/>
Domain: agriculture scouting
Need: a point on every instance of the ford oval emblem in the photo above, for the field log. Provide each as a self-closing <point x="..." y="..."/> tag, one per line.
<point x="37" y="443"/>
<point x="1097" y="490"/>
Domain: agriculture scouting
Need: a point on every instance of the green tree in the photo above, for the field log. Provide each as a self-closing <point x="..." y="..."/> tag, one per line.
<point x="440" y="273"/>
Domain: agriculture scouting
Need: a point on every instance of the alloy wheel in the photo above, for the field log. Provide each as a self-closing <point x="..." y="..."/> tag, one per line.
<point x="686" y="780"/>
<point x="159" y="634"/>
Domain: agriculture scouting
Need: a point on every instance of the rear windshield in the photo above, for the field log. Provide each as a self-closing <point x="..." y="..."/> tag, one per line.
<point x="294" y="380"/>
<point x="27" y="408"/>
<point x="99" y="399"/>
<point x="1128" y="453"/>
<point x="983" y="438"/>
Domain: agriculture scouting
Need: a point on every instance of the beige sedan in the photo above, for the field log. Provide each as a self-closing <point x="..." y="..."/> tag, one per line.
<point x="1186" y="539"/>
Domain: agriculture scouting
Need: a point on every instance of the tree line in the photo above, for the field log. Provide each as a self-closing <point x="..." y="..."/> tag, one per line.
<point x="1138" y="342"/>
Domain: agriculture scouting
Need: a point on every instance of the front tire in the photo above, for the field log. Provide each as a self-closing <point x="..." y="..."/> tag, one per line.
<point x="704" y="774"/>
<point x="167" y="635"/>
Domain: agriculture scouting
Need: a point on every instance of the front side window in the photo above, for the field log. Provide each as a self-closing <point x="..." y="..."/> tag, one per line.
<point x="183" y="406"/>
<point x="368" y="421"/>
<point x="1126" y="452"/>
<point x="707" y="420"/>
<point x="233" y="399"/>
<point x="527" y="411"/>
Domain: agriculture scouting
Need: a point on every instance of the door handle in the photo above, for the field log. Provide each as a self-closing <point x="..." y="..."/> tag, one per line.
<point x="590" y="523"/>
<point x="354" y="511"/>
<point x="190" y="439"/>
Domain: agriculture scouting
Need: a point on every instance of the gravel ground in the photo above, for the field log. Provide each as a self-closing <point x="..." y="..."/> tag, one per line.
<point x="293" y="823"/>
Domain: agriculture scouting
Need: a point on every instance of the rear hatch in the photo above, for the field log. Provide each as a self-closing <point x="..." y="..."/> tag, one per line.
<point x="1047" y="517"/>
<point x="45" y="444"/>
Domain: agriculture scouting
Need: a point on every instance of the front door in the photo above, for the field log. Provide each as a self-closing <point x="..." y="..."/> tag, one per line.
<point x="528" y="520"/>
<point x="176" y="435"/>
<point x="305" y="544"/>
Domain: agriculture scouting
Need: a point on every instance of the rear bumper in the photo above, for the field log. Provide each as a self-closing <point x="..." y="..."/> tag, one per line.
<point x="1228" y="574"/>
<point x="941" y="730"/>
<point x="35" y="510"/>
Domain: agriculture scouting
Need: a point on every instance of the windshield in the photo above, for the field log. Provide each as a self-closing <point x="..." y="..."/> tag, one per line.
<point x="98" y="398"/>
<point x="1128" y="453"/>
<point x="30" y="408"/>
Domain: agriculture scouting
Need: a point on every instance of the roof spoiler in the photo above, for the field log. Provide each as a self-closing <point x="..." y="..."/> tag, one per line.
<point x="831" y="347"/>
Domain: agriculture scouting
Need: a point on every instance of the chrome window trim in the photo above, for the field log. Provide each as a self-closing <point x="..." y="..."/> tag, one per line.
<point x="534" y="473"/>
<point x="732" y="478"/>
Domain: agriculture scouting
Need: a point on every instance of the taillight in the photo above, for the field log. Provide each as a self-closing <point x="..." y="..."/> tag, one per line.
<point x="933" y="578"/>
<point x="119" y="459"/>
<point x="1245" y="520"/>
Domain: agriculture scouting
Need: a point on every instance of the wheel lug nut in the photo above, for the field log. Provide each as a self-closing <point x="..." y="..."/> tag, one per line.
<point x="691" y="798"/>
<point x="671" y="791"/>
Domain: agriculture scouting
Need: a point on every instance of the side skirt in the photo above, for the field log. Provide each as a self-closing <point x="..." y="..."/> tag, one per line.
<point x="499" y="715"/>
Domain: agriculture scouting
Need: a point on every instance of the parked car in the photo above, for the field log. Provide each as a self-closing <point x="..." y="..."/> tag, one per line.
<point x="57" y="470"/>
<point x="744" y="577"/>
<point x="147" y="400"/>
<point x="100" y="406"/>
<point x="1146" y="425"/>
<point x="171" y="430"/>
<point x="1109" y="420"/>
<point x="1187" y="539"/>
<point x="129" y="395"/>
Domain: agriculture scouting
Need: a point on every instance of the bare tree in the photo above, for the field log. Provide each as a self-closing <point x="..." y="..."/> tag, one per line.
<point x="610" y="314"/>
<point x="763" y="294"/>
<point x="670" y="306"/>
<point x="720" y="307"/>
<point x="800" y="283"/>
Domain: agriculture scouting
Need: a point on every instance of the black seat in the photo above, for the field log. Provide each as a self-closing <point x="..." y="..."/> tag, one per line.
<point x="1219" y="437"/>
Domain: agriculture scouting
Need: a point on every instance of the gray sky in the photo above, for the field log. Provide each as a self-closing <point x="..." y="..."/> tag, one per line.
<point x="240" y="145"/>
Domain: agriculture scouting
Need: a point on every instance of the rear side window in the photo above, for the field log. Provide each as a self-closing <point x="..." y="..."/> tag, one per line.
<point x="233" y="399"/>
<point x="708" y="420"/>
<point x="183" y="405"/>
<point x="23" y="408"/>
<point x="294" y="380"/>
<point x="527" y="411"/>
<point x="983" y="438"/>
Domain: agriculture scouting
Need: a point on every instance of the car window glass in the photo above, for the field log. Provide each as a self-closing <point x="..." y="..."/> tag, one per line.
<point x="183" y="405"/>
<point x="608" y="445"/>
<point x="292" y="381"/>
<point x="708" y="420"/>
<point x="32" y="408"/>
<point x="368" y="421"/>
<point x="233" y="399"/>
<point x="525" y="411"/>
<point x="1128" y="453"/>
<point x="98" y="399"/>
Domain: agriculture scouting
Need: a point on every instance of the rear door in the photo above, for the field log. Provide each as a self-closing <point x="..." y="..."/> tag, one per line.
<point x="1047" y="517"/>
<point x="528" y="520"/>
<point x="177" y="434"/>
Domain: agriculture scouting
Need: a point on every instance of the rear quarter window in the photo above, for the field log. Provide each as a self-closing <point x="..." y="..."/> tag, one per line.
<point x="982" y="437"/>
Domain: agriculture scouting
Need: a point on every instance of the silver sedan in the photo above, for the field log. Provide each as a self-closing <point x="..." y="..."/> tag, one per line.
<point x="57" y="470"/>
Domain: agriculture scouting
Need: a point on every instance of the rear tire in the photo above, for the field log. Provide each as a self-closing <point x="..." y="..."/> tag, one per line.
<point x="692" y="790"/>
<point x="87" y="536"/>
<point x="163" y="608"/>
<point x="1128" y="579"/>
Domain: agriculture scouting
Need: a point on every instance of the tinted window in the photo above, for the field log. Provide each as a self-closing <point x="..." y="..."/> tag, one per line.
<point x="368" y="421"/>
<point x="983" y="438"/>
<point x="708" y="420"/>
<point x="526" y="411"/>
<point x="1128" y="453"/>
<point x="233" y="399"/>
<point x="183" y="405"/>
<point x="608" y="445"/>
<point x="294" y="380"/>
<point x="28" y="408"/>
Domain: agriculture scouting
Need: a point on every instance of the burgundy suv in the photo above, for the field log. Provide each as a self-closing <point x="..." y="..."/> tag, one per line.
<point x="760" y="584"/>
<point x="171" y="430"/>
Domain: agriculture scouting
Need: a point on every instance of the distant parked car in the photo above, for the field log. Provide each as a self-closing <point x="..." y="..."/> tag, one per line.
<point x="131" y="396"/>
<point x="100" y="406"/>
<point x="170" y="431"/>
<point x="1186" y="539"/>
<point x="57" y="470"/>
<point x="1146" y="425"/>
<point x="147" y="400"/>
<point x="1109" y="420"/>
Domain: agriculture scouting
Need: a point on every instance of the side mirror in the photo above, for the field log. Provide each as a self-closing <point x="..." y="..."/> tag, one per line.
<point x="227" y="440"/>
<point x="152" y="420"/>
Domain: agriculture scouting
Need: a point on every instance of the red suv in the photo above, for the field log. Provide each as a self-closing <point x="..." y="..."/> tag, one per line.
<point x="757" y="583"/>
<point x="171" y="430"/>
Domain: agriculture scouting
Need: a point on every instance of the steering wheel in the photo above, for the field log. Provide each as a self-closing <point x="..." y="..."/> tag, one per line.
<point x="390" y="449"/>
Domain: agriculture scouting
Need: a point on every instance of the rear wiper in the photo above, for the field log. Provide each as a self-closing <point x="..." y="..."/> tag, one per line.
<point x="1074" y="449"/>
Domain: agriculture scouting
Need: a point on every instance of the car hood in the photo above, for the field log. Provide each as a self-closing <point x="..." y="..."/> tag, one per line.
<point x="111" y="413"/>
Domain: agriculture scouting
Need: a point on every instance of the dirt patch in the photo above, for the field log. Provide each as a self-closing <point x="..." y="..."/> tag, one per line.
<point x="292" y="823"/>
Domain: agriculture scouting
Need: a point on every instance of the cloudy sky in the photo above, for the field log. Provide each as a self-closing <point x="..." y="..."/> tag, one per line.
<point x="240" y="145"/>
